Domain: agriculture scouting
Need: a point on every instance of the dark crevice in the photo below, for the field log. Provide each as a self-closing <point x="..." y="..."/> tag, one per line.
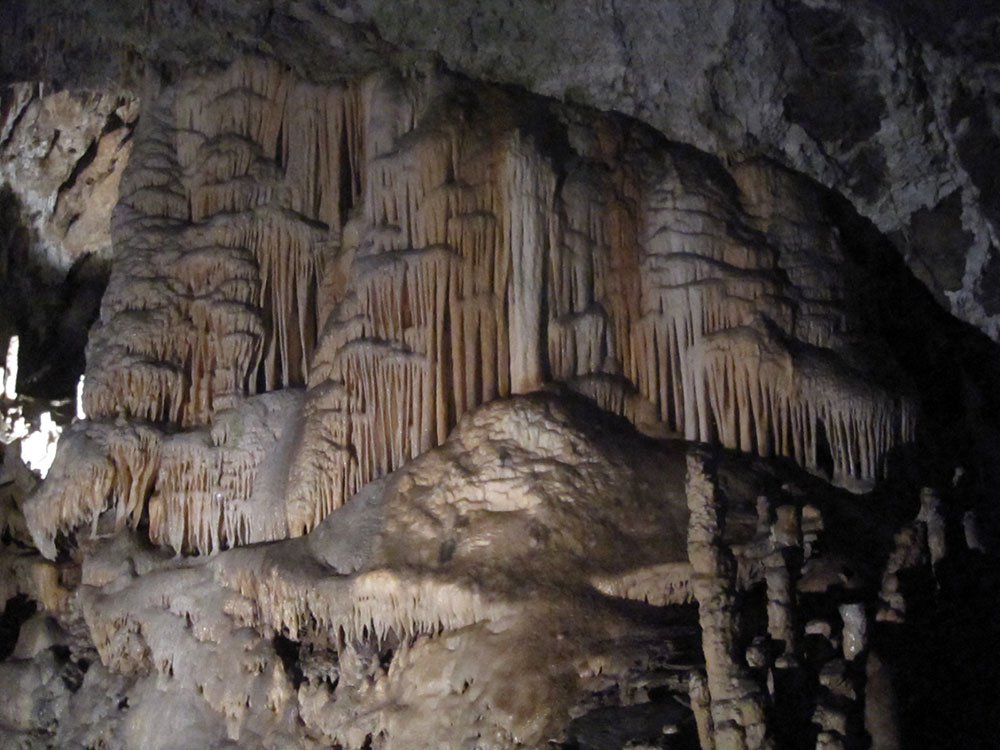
<point x="824" y="456"/>
<point x="288" y="651"/>
<point x="111" y="124"/>
<point x="81" y="164"/>
<point x="16" y="612"/>
<point x="4" y="111"/>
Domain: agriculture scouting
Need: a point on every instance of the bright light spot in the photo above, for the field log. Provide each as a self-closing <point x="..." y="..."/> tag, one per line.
<point x="38" y="448"/>
<point x="10" y="371"/>
<point x="80" y="413"/>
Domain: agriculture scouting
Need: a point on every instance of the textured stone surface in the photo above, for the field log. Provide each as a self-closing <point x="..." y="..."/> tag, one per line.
<point x="378" y="255"/>
<point x="62" y="156"/>
<point x="893" y="104"/>
<point x="855" y="95"/>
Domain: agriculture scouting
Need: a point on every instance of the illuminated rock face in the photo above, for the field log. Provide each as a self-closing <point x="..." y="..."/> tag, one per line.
<point x="409" y="246"/>
<point x="390" y="441"/>
<point x="892" y="104"/>
<point x="62" y="154"/>
<point x="479" y="595"/>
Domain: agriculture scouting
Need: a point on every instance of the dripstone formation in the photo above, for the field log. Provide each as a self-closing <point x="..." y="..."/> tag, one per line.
<point x="424" y="411"/>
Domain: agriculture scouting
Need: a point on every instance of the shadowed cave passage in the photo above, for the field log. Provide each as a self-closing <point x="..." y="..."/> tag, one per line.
<point x="50" y="311"/>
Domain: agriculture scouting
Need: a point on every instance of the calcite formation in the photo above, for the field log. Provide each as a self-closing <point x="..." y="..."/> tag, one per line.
<point x="891" y="103"/>
<point x="427" y="563"/>
<point x="406" y="616"/>
<point x="62" y="155"/>
<point x="735" y="701"/>
<point x="408" y="247"/>
<point x="425" y="412"/>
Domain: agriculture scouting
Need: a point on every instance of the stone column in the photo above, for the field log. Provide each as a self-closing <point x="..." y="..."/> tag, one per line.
<point x="854" y="638"/>
<point x="736" y="701"/>
<point x="932" y="516"/>
<point x="702" y="709"/>
<point x="908" y="553"/>
<point x="784" y="557"/>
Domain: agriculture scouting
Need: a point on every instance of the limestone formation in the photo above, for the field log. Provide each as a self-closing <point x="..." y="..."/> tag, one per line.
<point x="398" y="245"/>
<point x="855" y="634"/>
<point x="62" y="154"/>
<point x="737" y="708"/>
<point x="912" y="551"/>
<point x="426" y="411"/>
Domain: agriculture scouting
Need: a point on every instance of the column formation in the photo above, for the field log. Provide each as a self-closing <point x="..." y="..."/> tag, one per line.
<point x="736" y="700"/>
<point x="784" y="557"/>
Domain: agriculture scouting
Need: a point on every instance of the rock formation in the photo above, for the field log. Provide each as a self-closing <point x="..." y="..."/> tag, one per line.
<point x="891" y="103"/>
<point x="428" y="222"/>
<point x="426" y="411"/>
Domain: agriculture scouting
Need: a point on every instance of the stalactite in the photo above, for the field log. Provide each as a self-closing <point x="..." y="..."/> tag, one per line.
<point x="222" y="487"/>
<point x="372" y="604"/>
<point x="659" y="585"/>
<point x="98" y="467"/>
<point x="219" y="274"/>
<point x="676" y="305"/>
<point x="410" y="248"/>
<point x="205" y="489"/>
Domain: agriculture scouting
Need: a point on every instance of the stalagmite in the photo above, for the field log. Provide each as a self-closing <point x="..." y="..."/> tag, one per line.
<point x="911" y="551"/>
<point x="736" y="701"/>
<point x="422" y="411"/>
<point x="812" y="526"/>
<point x="932" y="516"/>
<point x="855" y="634"/>
<point x="783" y="558"/>
<point x="837" y="713"/>
<point x="701" y="706"/>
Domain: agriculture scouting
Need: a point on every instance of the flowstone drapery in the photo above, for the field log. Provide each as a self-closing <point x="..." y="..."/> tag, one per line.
<point x="409" y="246"/>
<point x="382" y="438"/>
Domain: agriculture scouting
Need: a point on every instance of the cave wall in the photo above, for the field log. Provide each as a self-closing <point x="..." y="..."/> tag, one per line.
<point x="307" y="502"/>
<point x="893" y="105"/>
<point x="62" y="154"/>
